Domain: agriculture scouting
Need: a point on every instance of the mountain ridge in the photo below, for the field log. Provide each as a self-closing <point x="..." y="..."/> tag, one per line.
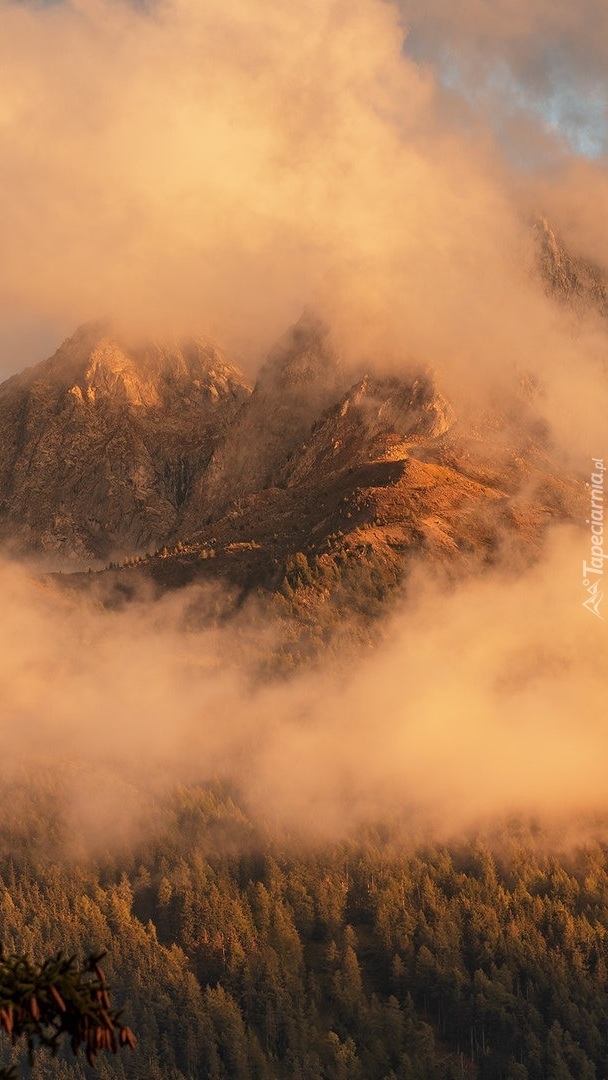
<point x="160" y="455"/>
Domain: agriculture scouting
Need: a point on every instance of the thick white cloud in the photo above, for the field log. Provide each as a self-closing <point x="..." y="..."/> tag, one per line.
<point x="225" y="164"/>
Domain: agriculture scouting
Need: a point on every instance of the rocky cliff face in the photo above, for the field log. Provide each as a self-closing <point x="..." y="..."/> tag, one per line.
<point x="377" y="419"/>
<point x="101" y="443"/>
<point x="573" y="281"/>
<point x="110" y="451"/>
<point x="300" y="379"/>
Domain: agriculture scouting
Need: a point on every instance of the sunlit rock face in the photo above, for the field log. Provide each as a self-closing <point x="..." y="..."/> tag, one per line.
<point x="111" y="449"/>
<point x="100" y="443"/>
<point x="377" y="419"/>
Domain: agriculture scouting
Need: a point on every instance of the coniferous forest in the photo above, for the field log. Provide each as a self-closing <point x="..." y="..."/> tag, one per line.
<point x="238" y="955"/>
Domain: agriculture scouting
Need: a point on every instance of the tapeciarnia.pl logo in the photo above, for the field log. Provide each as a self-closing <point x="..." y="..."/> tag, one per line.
<point x="593" y="571"/>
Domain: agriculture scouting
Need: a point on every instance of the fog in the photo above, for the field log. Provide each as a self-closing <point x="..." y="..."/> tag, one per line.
<point x="203" y="166"/>
<point x="211" y="166"/>
<point x="483" y="699"/>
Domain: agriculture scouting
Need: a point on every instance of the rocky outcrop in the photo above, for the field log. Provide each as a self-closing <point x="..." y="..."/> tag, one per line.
<point x="377" y="419"/>
<point x="101" y="443"/>
<point x="571" y="280"/>
<point x="300" y="379"/>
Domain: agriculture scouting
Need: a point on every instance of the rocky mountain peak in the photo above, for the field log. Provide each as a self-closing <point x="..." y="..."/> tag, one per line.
<point x="111" y="449"/>
<point x="111" y="373"/>
<point x="405" y="407"/>
<point x="98" y="364"/>
<point x="300" y="379"/>
<point x="572" y="280"/>
<point x="379" y="417"/>
<point x="303" y="359"/>
<point x="101" y="443"/>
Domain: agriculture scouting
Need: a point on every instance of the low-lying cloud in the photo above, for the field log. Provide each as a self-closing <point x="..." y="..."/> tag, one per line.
<point x="484" y="699"/>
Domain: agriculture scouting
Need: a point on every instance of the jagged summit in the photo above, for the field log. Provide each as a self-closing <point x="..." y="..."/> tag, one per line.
<point x="301" y="378"/>
<point x="111" y="449"/>
<point x="101" y="442"/>
<point x="377" y="418"/>
<point x="571" y="280"/>
<point x="97" y="362"/>
<point x="304" y="356"/>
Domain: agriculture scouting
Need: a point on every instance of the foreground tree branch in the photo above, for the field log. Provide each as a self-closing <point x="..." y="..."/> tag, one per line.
<point x="56" y="1001"/>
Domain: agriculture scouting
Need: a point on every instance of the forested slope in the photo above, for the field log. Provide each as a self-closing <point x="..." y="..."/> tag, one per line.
<point x="238" y="956"/>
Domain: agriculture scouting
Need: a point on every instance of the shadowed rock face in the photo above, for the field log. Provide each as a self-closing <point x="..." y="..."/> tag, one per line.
<point x="100" y="444"/>
<point x="300" y="379"/>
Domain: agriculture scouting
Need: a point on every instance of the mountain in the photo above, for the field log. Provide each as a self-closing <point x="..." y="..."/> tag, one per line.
<point x="387" y="479"/>
<point x="100" y="443"/>
<point x="300" y="379"/>
<point x="572" y="280"/>
<point x="387" y="476"/>
<point x="317" y="483"/>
